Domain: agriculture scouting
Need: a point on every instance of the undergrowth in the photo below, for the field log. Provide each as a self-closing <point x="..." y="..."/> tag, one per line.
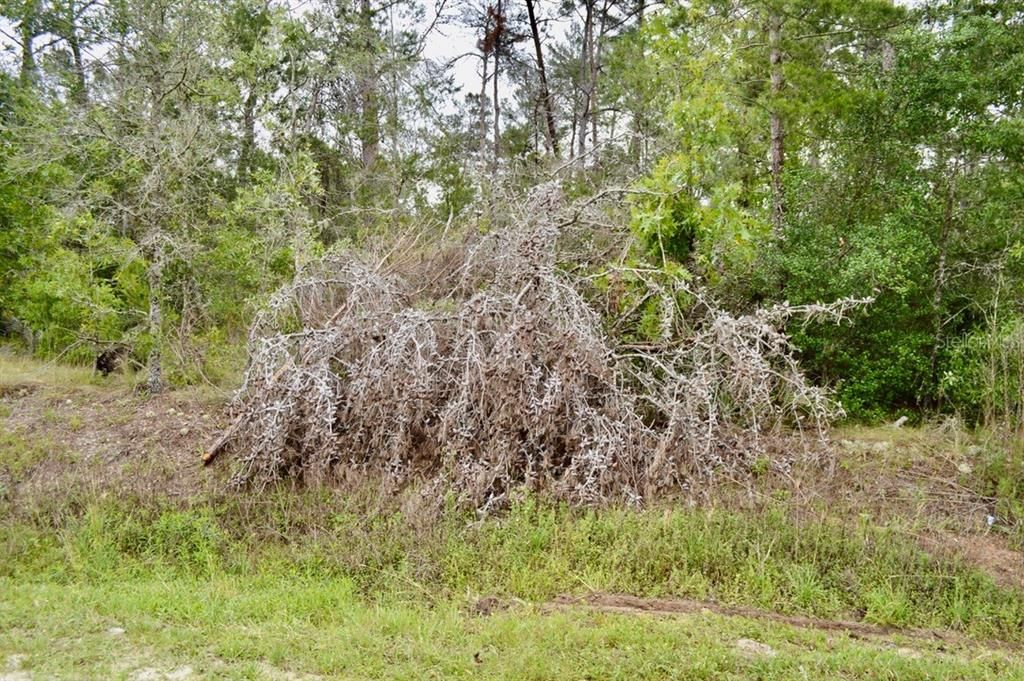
<point x="533" y="552"/>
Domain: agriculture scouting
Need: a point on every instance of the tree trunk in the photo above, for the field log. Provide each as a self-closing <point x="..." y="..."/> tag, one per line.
<point x="27" y="29"/>
<point x="248" y="136"/>
<point x="497" y="101"/>
<point x="939" y="284"/>
<point x="369" y="124"/>
<point x="497" y="119"/>
<point x="588" y="36"/>
<point x="154" y="363"/>
<point x="81" y="93"/>
<point x="777" y="131"/>
<point x="637" y="141"/>
<point x="550" y="134"/>
<point x="483" y="108"/>
<point x="594" y="62"/>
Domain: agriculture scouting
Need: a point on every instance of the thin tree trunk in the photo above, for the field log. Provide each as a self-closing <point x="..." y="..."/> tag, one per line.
<point x="394" y="118"/>
<point x="637" y="141"/>
<point x="155" y="223"/>
<point x="497" y="102"/>
<point x="777" y="130"/>
<point x="588" y="34"/>
<point x="550" y="133"/>
<point x="27" y="29"/>
<point x="248" y="136"/>
<point x="369" y="130"/>
<point x="483" y="110"/>
<point x="594" y="61"/>
<point x="154" y="364"/>
<point x="572" y="131"/>
<point x="81" y="93"/>
<point x="939" y="284"/>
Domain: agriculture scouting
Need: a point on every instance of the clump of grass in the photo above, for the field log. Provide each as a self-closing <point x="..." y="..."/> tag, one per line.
<point x="19" y="455"/>
<point x="534" y="552"/>
<point x="243" y="627"/>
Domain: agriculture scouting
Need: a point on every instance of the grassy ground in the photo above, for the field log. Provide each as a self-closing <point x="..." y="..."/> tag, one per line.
<point x="208" y="592"/>
<point x="253" y="628"/>
<point x="120" y="558"/>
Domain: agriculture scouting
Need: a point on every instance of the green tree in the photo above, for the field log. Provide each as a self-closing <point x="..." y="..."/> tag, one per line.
<point x="920" y="200"/>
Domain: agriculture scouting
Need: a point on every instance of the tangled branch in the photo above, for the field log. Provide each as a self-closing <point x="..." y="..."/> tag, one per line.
<point x="502" y="375"/>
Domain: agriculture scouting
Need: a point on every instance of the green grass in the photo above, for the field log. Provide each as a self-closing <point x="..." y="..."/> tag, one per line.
<point x="533" y="553"/>
<point x="18" y="369"/>
<point x="240" y="627"/>
<point x="334" y="586"/>
<point x="19" y="455"/>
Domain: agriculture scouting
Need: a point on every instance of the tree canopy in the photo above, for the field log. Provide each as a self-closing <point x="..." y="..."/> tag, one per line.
<point x="165" y="165"/>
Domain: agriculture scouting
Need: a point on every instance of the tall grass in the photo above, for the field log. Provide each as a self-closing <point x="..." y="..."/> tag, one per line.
<point x="534" y="552"/>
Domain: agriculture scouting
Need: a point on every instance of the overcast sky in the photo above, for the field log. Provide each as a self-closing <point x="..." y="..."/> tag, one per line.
<point x="446" y="41"/>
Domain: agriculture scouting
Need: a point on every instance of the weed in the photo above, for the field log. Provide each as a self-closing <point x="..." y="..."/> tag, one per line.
<point x="888" y="605"/>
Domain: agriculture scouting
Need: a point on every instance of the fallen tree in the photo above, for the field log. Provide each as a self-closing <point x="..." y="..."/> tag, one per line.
<point x="490" y="369"/>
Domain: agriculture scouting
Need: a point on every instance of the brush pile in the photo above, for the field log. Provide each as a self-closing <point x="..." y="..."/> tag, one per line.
<point x="490" y="369"/>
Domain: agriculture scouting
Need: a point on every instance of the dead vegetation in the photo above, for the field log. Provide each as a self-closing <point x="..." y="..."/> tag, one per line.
<point x="489" y="368"/>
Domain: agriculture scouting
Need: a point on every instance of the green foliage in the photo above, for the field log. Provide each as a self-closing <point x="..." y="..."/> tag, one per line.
<point x="984" y="378"/>
<point x="695" y="207"/>
<point x="999" y="475"/>
<point x="914" y="208"/>
<point x="447" y="168"/>
<point x="89" y="287"/>
<point x="19" y="455"/>
<point x="901" y="181"/>
<point x="640" y="315"/>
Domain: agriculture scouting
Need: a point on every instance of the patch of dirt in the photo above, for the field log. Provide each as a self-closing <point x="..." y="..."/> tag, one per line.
<point x="153" y="674"/>
<point x="112" y="438"/>
<point x="989" y="553"/>
<point x="17" y="390"/>
<point x="13" y="671"/>
<point x="754" y="649"/>
<point x="15" y="676"/>
<point x="488" y="605"/>
<point x="634" y="605"/>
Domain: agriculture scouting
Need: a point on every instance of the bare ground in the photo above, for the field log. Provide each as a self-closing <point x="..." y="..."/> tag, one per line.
<point x="109" y="438"/>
